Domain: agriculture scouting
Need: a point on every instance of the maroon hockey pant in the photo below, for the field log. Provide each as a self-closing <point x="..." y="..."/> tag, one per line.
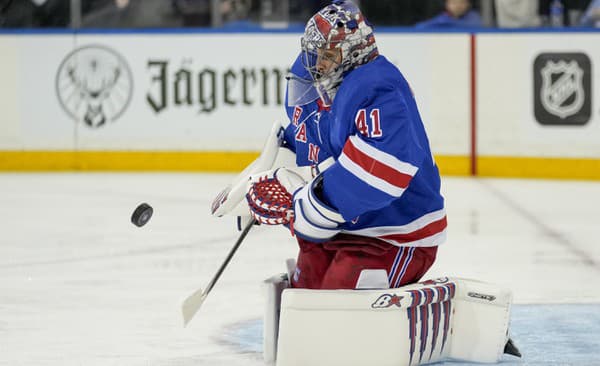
<point x="337" y="264"/>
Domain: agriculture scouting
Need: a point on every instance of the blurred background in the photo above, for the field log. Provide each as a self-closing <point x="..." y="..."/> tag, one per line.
<point x="285" y="13"/>
<point x="194" y="85"/>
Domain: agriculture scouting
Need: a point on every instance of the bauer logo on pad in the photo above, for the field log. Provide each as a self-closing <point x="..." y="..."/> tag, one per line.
<point x="387" y="300"/>
<point x="562" y="89"/>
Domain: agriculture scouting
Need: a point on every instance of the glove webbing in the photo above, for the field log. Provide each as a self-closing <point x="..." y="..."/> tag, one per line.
<point x="270" y="203"/>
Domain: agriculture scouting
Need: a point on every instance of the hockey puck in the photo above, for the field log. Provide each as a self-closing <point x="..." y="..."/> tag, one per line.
<point x="142" y="214"/>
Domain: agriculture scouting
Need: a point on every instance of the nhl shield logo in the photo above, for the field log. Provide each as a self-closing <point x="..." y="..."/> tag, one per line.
<point x="562" y="89"/>
<point x="562" y="82"/>
<point x="94" y="85"/>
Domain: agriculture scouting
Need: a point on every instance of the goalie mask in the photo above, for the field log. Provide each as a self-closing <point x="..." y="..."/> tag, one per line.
<point x="336" y="40"/>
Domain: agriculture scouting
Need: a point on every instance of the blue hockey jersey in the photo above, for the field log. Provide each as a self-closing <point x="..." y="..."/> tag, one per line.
<point x="384" y="181"/>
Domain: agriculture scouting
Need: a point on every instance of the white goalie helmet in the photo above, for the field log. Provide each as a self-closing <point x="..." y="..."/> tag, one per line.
<point x="336" y="40"/>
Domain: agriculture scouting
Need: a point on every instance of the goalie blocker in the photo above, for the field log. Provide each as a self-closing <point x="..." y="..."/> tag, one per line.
<point x="446" y="318"/>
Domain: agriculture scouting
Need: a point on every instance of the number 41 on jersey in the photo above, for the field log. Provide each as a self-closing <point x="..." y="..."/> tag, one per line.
<point x="363" y="126"/>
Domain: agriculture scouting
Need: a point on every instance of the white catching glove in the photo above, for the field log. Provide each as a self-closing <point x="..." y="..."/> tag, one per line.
<point x="283" y="196"/>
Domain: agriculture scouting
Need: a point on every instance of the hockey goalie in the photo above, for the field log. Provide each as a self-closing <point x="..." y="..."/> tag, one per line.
<point x="353" y="178"/>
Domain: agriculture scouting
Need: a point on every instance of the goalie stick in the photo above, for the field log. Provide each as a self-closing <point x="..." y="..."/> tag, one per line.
<point x="192" y="303"/>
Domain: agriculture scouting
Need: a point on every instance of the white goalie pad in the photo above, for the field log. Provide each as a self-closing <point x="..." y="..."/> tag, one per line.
<point x="447" y="318"/>
<point x="274" y="286"/>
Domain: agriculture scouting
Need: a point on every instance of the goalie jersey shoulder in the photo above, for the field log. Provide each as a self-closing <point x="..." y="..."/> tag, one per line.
<point x="374" y="103"/>
<point x="385" y="181"/>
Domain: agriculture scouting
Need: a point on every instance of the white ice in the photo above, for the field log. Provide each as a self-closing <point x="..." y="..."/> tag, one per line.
<point x="80" y="285"/>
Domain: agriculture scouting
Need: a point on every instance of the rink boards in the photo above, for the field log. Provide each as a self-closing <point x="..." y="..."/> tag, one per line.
<point x="494" y="104"/>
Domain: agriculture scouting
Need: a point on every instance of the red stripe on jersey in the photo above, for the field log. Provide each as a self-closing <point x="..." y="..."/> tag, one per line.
<point x="431" y="229"/>
<point x="375" y="167"/>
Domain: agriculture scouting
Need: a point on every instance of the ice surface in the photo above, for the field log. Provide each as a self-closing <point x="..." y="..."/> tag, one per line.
<point x="556" y="334"/>
<point x="80" y="285"/>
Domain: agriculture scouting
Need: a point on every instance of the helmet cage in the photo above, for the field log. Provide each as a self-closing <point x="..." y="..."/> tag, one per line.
<point x="325" y="82"/>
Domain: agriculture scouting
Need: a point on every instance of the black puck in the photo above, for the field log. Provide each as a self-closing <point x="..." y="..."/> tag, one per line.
<point x="142" y="214"/>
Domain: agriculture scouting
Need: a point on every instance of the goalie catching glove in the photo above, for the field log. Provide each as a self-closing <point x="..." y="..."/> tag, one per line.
<point x="282" y="196"/>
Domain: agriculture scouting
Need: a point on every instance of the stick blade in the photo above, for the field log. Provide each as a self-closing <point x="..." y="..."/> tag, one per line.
<point x="191" y="305"/>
